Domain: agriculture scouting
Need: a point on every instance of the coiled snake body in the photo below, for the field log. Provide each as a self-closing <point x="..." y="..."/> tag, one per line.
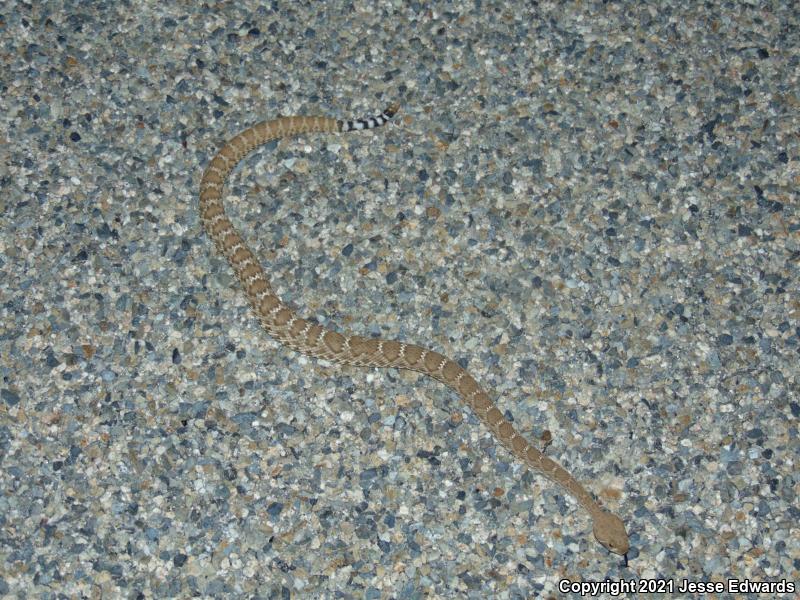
<point x="299" y="334"/>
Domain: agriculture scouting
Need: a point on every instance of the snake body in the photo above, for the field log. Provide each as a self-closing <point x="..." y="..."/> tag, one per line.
<point x="307" y="337"/>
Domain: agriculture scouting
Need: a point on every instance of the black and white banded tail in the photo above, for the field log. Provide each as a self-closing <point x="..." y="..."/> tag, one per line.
<point x="371" y="122"/>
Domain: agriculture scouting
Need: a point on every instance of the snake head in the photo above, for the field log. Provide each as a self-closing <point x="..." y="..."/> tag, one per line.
<point x="609" y="531"/>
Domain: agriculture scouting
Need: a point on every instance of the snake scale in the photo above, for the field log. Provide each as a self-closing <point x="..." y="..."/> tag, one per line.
<point x="307" y="337"/>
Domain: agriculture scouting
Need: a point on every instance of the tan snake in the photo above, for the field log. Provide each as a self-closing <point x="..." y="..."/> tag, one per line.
<point x="283" y="323"/>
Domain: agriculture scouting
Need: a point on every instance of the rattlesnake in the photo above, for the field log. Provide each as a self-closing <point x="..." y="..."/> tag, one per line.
<point x="307" y="337"/>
